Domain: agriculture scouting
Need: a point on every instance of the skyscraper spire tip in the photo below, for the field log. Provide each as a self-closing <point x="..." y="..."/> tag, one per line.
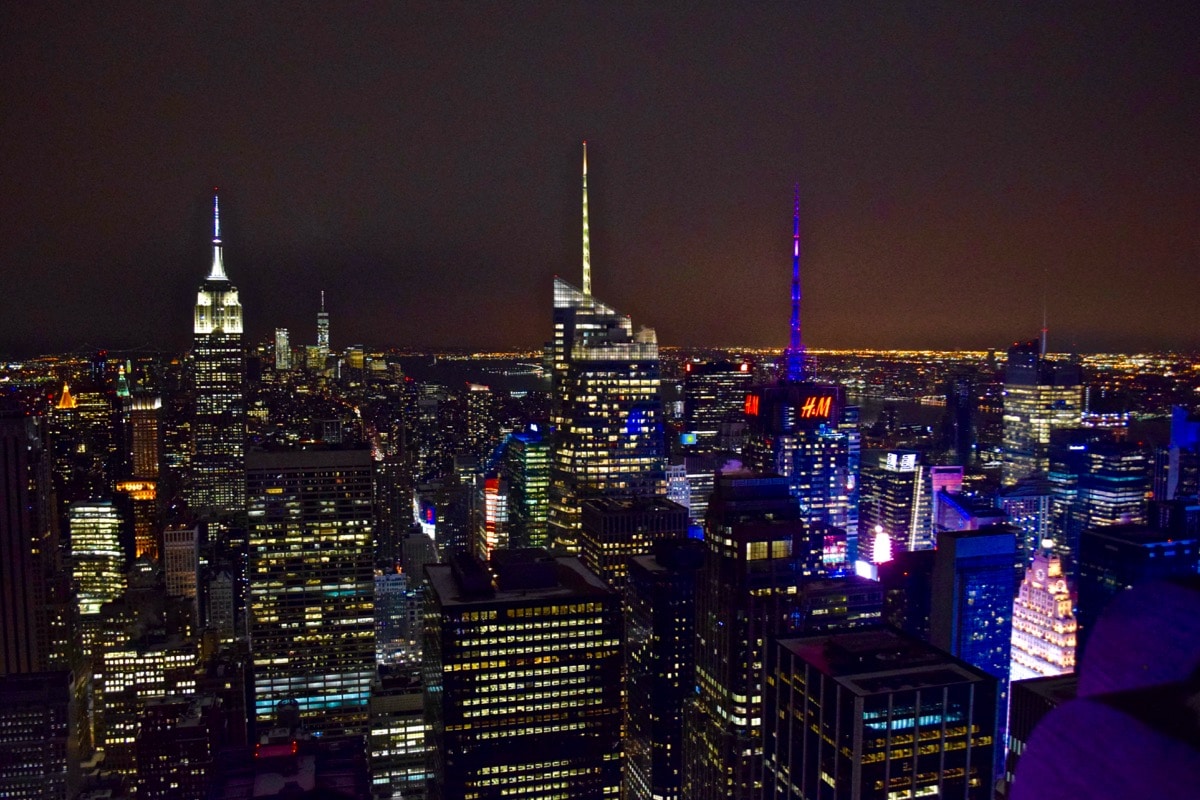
<point x="216" y="216"/>
<point x="587" y="246"/>
<point x="217" y="273"/>
<point x="795" y="351"/>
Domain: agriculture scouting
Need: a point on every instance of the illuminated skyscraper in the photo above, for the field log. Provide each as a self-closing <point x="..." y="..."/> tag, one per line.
<point x="322" y="329"/>
<point x="396" y="742"/>
<point x="1027" y="504"/>
<point x="614" y="530"/>
<point x="1095" y="480"/>
<point x="97" y="560"/>
<point x="607" y="414"/>
<point x="972" y="606"/>
<point x="527" y="471"/>
<point x="973" y="585"/>
<point x="806" y="432"/>
<point x="895" y="496"/>
<point x="1040" y="396"/>
<point x="126" y="676"/>
<point x="312" y="624"/>
<point x="1043" y="624"/>
<point x="218" y="465"/>
<point x="522" y="679"/>
<point x="145" y="443"/>
<point x="491" y="515"/>
<point x="283" y="351"/>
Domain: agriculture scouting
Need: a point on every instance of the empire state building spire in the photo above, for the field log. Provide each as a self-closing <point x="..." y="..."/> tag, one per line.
<point x="217" y="273"/>
<point x="587" y="246"/>
<point x="795" y="351"/>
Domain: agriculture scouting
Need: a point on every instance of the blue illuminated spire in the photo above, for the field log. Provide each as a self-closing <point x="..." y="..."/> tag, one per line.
<point x="795" y="350"/>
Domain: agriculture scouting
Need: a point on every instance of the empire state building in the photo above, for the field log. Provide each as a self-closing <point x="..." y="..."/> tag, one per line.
<point x="218" y="484"/>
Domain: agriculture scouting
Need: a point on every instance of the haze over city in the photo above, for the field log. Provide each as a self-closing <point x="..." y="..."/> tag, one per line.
<point x="420" y="163"/>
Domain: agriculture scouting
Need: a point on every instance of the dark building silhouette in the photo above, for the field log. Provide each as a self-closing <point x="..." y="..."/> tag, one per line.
<point x="958" y="422"/>
<point x="714" y="404"/>
<point x="28" y="547"/>
<point x="1117" y="557"/>
<point x="37" y="724"/>
<point x="760" y="555"/>
<point x="1031" y="700"/>
<point x="660" y="665"/>
<point x="907" y="584"/>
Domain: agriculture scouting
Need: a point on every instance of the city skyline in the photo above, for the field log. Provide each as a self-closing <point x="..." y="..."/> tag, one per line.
<point x="419" y="166"/>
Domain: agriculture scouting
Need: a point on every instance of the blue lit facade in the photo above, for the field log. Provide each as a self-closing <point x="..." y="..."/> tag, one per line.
<point x="806" y="433"/>
<point x="973" y="589"/>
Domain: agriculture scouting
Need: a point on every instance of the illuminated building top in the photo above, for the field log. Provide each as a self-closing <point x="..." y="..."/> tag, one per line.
<point x="1044" y="626"/>
<point x="218" y="309"/>
<point x="323" y="327"/>
<point x="66" y="399"/>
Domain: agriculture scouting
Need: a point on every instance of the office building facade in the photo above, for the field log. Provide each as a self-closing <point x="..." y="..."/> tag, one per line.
<point x="522" y="679"/>
<point x="614" y="530"/>
<point x="1040" y="395"/>
<point x="311" y="604"/>
<point x="876" y="714"/>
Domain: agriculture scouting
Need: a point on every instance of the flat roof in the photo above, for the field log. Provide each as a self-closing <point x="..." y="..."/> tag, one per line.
<point x="881" y="660"/>
<point x="574" y="581"/>
<point x="1139" y="535"/>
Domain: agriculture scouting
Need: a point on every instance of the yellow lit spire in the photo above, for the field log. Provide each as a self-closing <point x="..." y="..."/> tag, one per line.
<point x="587" y="246"/>
<point x="66" y="399"/>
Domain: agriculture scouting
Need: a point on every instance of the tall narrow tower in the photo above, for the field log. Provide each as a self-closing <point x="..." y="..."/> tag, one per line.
<point x="587" y="243"/>
<point x="606" y="410"/>
<point x="323" y="328"/>
<point x="795" y="351"/>
<point x="218" y="467"/>
<point x="806" y="432"/>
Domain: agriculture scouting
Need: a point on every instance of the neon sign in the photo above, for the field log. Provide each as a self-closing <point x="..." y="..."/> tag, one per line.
<point x="752" y="405"/>
<point x="816" y="407"/>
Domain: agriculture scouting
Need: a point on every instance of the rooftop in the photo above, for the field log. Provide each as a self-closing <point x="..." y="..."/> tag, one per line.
<point x="522" y="578"/>
<point x="881" y="660"/>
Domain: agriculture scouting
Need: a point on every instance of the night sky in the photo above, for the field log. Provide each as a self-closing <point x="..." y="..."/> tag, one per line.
<point x="421" y="164"/>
